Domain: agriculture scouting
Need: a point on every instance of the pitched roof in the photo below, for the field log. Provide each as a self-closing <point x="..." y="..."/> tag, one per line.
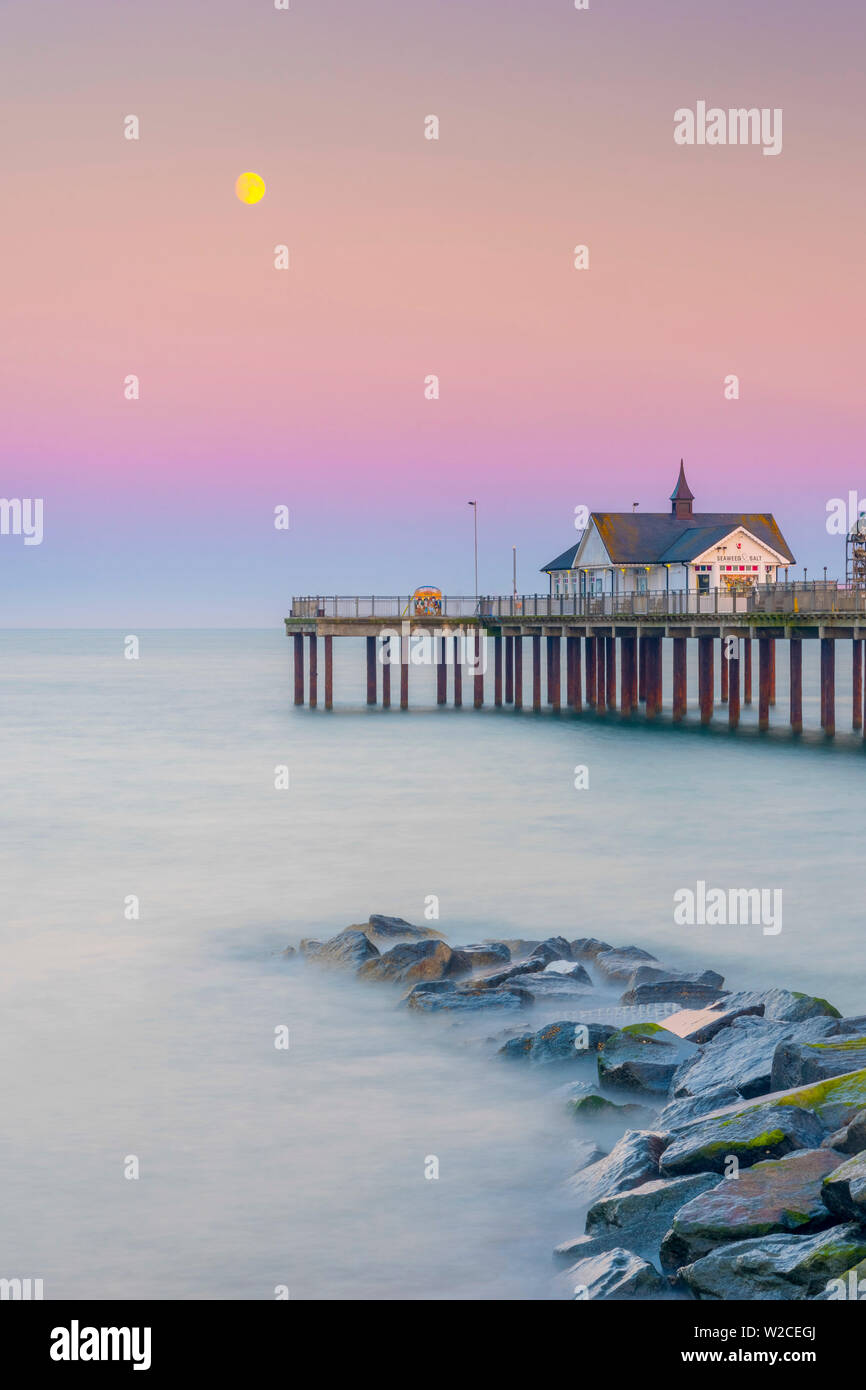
<point x="563" y="561"/>
<point x="682" y="492"/>
<point x="658" y="538"/>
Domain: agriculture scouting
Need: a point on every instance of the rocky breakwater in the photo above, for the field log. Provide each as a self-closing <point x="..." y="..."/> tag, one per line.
<point x="733" y="1164"/>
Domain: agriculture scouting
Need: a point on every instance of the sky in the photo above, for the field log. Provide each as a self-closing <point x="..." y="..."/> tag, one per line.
<point x="408" y="258"/>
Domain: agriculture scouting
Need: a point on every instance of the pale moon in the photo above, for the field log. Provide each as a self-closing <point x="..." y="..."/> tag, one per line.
<point x="250" y="188"/>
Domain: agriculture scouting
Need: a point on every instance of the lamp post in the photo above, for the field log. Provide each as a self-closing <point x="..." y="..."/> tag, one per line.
<point x="514" y="569"/>
<point x="474" y="506"/>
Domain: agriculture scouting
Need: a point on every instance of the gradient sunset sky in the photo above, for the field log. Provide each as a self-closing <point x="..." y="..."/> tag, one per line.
<point x="411" y="257"/>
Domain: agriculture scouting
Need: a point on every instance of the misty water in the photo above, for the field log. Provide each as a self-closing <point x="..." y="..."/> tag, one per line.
<point x="155" y="1037"/>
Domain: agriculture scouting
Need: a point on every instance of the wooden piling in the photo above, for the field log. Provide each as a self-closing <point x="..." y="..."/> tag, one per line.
<point x="628" y="674"/>
<point x="551" y="693"/>
<point x="641" y="669"/>
<point x="772" y="672"/>
<point x="386" y="679"/>
<point x="828" y="686"/>
<point x="723" y="672"/>
<point x="298" y="638"/>
<point x="404" y="672"/>
<point x="764" y="654"/>
<point x="578" y="676"/>
<point x="458" y="674"/>
<point x="600" y="675"/>
<point x="509" y="670"/>
<point x="795" y="647"/>
<point x="733" y="665"/>
<point x="653" y="669"/>
<point x="371" y="670"/>
<point x="329" y="673"/>
<point x="497" y="669"/>
<point x="857" y="684"/>
<point x="518" y="673"/>
<point x="441" y="672"/>
<point x="610" y="661"/>
<point x="479" y="670"/>
<point x="680" y="679"/>
<point x="747" y="671"/>
<point x="705" y="678"/>
<point x="590" y="672"/>
<point x="536" y="671"/>
<point x="555" y="655"/>
<point x="569" y="672"/>
<point x="314" y="670"/>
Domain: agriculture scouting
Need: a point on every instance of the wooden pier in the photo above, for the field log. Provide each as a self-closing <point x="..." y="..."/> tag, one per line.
<point x="613" y="648"/>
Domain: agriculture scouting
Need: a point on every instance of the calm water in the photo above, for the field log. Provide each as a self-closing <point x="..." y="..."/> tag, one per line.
<point x="154" y="1037"/>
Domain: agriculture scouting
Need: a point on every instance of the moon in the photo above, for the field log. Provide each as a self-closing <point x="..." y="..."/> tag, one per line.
<point x="250" y="187"/>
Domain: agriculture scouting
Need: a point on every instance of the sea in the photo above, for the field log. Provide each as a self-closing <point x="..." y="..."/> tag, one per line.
<point x="189" y="1113"/>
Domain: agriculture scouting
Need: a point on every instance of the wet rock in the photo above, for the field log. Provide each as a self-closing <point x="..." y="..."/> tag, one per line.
<point x="570" y="971"/>
<point x="563" y="1041"/>
<point x="555" y="948"/>
<point x="681" y="991"/>
<point x="757" y="1132"/>
<point x="851" y="1138"/>
<point x="678" y="1113"/>
<point x="784" y="1005"/>
<point x="553" y="987"/>
<point x="520" y="947"/>
<point x="349" y="950"/>
<point x="631" y="1161"/>
<point x="853" y="1027"/>
<point x="743" y="1054"/>
<point x="585" y="1153"/>
<point x="439" y="996"/>
<point x="798" y="1063"/>
<point x="638" y="1217"/>
<point x="643" y="1057"/>
<point x="660" y="974"/>
<point x="776" y="1267"/>
<point x="778" y="1197"/>
<point x="414" y="960"/>
<point x="588" y="947"/>
<point x="594" y="1106"/>
<point x="844" y="1191"/>
<point x="486" y="956"/>
<point x="395" y="929"/>
<point x="309" y="947"/>
<point x="500" y="977"/>
<point x="617" y="966"/>
<point x="850" y="1286"/>
<point x="616" y="1275"/>
<point x="701" y="1025"/>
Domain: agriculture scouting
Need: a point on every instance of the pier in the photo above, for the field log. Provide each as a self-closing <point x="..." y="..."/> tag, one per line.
<point x="613" y="649"/>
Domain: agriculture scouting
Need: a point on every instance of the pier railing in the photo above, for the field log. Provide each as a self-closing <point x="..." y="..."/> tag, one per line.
<point x="816" y="597"/>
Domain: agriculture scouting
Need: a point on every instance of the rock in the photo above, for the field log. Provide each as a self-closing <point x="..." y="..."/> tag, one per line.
<point x="394" y="929"/>
<point x="743" y="1054"/>
<point x="844" y="1191"/>
<point x="349" y="950"/>
<point x="309" y="947"/>
<point x="643" y="1057"/>
<point x="776" y="1267"/>
<point x="631" y="1161"/>
<point x="784" y="1005"/>
<point x="553" y="986"/>
<point x="677" y="1113"/>
<point x="558" y="1042"/>
<point x="848" y="1286"/>
<point x="777" y="1197"/>
<point x="639" y="1217"/>
<point x="751" y="1134"/>
<point x="587" y="948"/>
<point x="519" y="947"/>
<point x="288" y="952"/>
<point x="585" y="1153"/>
<point x="851" y="1138"/>
<point x="437" y="996"/>
<point x="853" y="1027"/>
<point x="556" y="948"/>
<point x="616" y="1275"/>
<point x="655" y="974"/>
<point x="597" y="1107"/>
<point x="569" y="971"/>
<point x="500" y="977"/>
<point x="414" y="960"/>
<point x="619" y="966"/>
<point x="680" y="991"/>
<point x="700" y="1025"/>
<point x="798" y="1063"/>
<point x="486" y="956"/>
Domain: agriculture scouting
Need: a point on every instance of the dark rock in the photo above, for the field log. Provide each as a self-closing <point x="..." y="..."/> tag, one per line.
<point x="851" y="1138"/>
<point x="637" y="1218"/>
<point x="414" y="960"/>
<point x="853" y="1027"/>
<point x="595" y="1106"/>
<point x="797" y="1063"/>
<point x="564" y="1041"/>
<point x="530" y="967"/>
<point x="616" y="1275"/>
<point x="784" y="1005"/>
<point x="585" y="1153"/>
<point x="742" y="1054"/>
<point x="394" y="929"/>
<point x="776" y="1267"/>
<point x="619" y="966"/>
<point x="349" y="950"/>
<point x="438" y="996"/>
<point x="778" y="1197"/>
<point x="631" y="1161"/>
<point x="548" y="951"/>
<point x="643" y="1057"/>
<point x="553" y="986"/>
<point x="486" y="956"/>
<point x="750" y="1134"/>
<point x="844" y="1191"/>
<point x="678" y="1113"/>
<point x="519" y="947"/>
<point x="587" y="948"/>
<point x="700" y="1025"/>
<point x="657" y="974"/>
<point x="672" y="992"/>
<point x="850" y="1285"/>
